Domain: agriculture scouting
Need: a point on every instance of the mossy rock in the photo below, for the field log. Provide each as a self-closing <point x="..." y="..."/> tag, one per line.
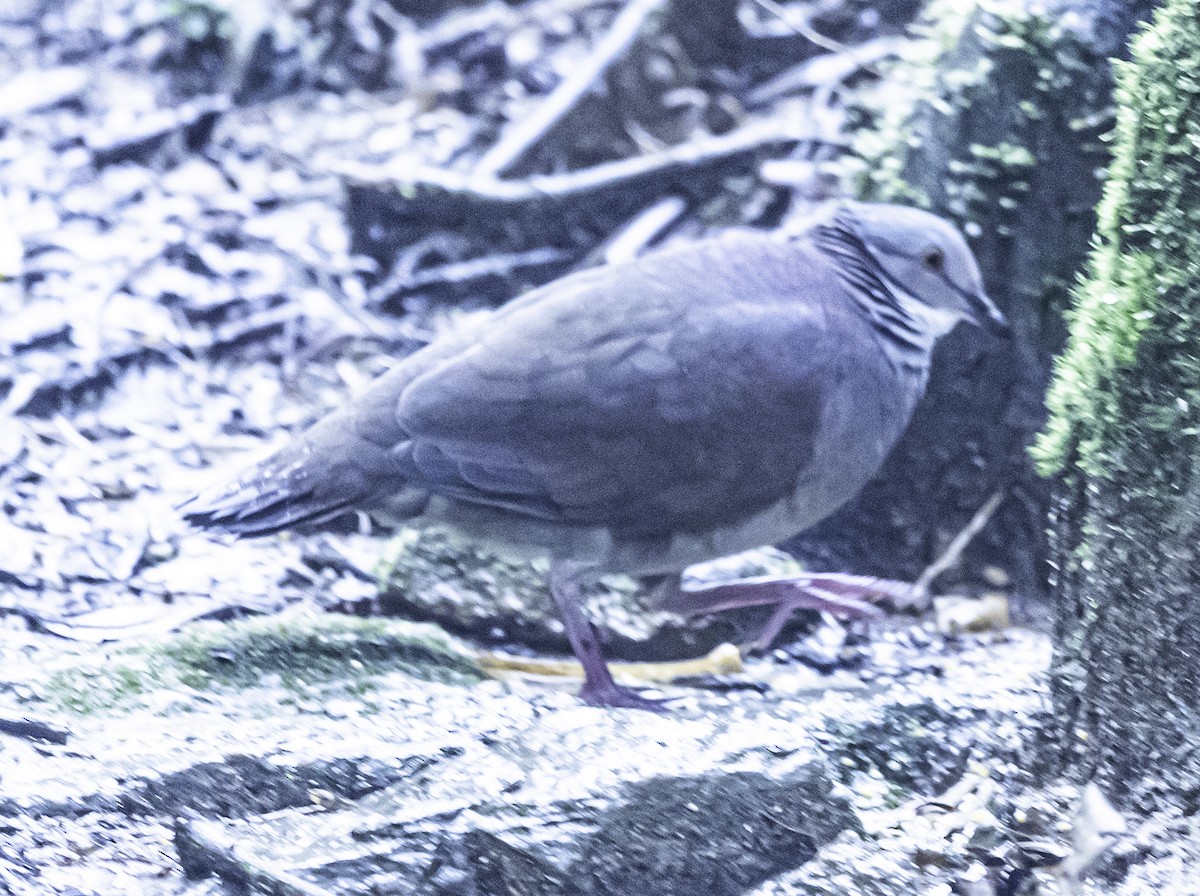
<point x="1125" y="435"/>
<point x="473" y="590"/>
<point x="1141" y="277"/>
<point x="293" y="651"/>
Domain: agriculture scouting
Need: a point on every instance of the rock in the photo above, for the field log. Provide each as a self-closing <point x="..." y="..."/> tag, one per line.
<point x="1123" y="437"/>
<point x="303" y="778"/>
<point x="472" y="590"/>
<point x="634" y="837"/>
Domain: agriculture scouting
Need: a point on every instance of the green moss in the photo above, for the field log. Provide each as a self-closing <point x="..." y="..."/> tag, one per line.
<point x="301" y="651"/>
<point x="1129" y="380"/>
<point x="308" y="649"/>
<point x="971" y="53"/>
<point x="87" y="689"/>
<point x="1125" y="433"/>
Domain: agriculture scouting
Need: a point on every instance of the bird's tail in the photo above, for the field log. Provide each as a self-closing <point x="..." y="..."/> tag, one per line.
<point x="278" y="493"/>
<point x="342" y="463"/>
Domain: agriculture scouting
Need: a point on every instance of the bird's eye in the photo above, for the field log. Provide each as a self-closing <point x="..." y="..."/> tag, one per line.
<point x="933" y="259"/>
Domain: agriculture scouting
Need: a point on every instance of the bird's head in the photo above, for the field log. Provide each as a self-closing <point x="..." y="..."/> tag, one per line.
<point x="924" y="258"/>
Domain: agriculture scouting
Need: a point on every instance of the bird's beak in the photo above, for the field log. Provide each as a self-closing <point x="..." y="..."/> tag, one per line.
<point x="989" y="317"/>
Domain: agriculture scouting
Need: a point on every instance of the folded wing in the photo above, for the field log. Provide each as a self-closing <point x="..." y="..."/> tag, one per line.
<point x="672" y="398"/>
<point x="668" y="395"/>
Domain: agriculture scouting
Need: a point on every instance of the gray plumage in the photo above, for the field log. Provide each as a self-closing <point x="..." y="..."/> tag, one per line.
<point x="693" y="403"/>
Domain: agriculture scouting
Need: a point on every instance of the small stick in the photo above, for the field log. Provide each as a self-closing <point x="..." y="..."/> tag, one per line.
<point x="430" y="182"/>
<point x="824" y="73"/>
<point x="523" y="134"/>
<point x="643" y="229"/>
<point x="499" y="264"/>
<point x="724" y="659"/>
<point x="802" y="28"/>
<point x="959" y="544"/>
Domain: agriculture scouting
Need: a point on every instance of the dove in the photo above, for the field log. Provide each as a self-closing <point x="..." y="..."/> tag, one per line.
<point x="642" y="417"/>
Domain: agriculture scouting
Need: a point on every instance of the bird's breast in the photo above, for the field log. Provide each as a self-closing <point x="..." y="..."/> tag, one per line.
<point x="862" y="419"/>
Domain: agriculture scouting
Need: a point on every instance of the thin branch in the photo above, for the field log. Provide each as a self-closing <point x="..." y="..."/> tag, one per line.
<point x="724" y="659"/>
<point x="466" y="22"/>
<point x="825" y="72"/>
<point x="499" y="264"/>
<point x="521" y="135"/>
<point x="647" y="226"/>
<point x="801" y="26"/>
<point x="959" y="544"/>
<point x="429" y="182"/>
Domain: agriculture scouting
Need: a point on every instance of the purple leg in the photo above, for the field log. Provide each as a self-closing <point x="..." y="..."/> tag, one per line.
<point x="842" y="595"/>
<point x="599" y="689"/>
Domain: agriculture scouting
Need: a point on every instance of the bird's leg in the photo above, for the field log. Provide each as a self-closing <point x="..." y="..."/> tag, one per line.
<point x="841" y="595"/>
<point x="598" y="689"/>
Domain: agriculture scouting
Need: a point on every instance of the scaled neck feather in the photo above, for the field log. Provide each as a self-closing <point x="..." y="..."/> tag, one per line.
<point x="904" y="331"/>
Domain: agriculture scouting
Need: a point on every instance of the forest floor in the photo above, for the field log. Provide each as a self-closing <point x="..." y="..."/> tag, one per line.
<point x="216" y="224"/>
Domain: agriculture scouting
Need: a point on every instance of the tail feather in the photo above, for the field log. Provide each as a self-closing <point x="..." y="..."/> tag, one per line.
<point x="346" y="461"/>
<point x="263" y="514"/>
<point x="261" y="502"/>
<point x="323" y="474"/>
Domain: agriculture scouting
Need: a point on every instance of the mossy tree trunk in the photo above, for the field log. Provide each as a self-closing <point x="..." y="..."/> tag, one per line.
<point x="1125" y="434"/>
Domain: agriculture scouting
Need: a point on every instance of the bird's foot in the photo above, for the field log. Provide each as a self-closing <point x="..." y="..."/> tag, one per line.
<point x="842" y="595"/>
<point x="846" y="596"/>
<point x="599" y="689"/>
<point x="610" y="694"/>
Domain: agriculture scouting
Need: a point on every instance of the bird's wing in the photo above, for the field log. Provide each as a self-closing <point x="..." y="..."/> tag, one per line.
<point x="348" y="459"/>
<point x="677" y="395"/>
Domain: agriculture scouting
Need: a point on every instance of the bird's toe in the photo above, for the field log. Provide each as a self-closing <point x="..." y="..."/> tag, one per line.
<point x="613" y="695"/>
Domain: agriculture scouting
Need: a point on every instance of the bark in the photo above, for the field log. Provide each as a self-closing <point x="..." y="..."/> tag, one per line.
<point x="1125" y="433"/>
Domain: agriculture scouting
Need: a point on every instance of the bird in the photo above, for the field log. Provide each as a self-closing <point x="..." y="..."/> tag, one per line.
<point x="698" y="401"/>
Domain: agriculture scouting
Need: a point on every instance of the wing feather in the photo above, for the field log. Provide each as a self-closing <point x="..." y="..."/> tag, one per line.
<point x="682" y="395"/>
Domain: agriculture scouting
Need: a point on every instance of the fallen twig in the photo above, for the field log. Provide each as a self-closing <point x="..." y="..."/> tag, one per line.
<point x="959" y="544"/>
<point x="522" y="134"/>
<point x="430" y="182"/>
<point x="794" y="23"/>
<point x="252" y="328"/>
<point x="500" y="264"/>
<point x="193" y="120"/>
<point x="136" y="621"/>
<point x="724" y="659"/>
<point x="644" y="228"/>
<point x="467" y="22"/>
<point x="824" y="71"/>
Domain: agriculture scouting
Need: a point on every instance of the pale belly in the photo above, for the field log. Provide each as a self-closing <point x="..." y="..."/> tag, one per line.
<point x="837" y="474"/>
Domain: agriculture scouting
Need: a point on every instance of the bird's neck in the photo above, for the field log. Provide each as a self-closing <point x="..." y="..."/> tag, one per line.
<point x="904" y="327"/>
<point x="933" y="323"/>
